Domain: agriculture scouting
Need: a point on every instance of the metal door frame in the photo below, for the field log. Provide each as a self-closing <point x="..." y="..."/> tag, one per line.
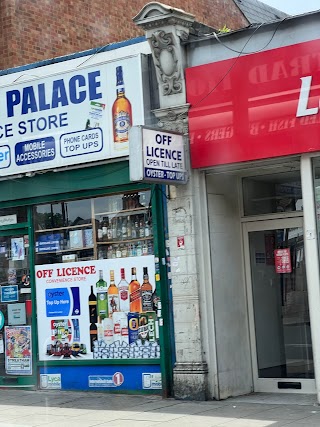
<point x="268" y="384"/>
<point x="24" y="381"/>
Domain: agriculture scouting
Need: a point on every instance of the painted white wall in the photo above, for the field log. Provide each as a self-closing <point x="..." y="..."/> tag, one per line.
<point x="229" y="292"/>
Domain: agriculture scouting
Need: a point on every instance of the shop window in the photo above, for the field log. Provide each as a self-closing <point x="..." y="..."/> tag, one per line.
<point x="272" y="193"/>
<point x="96" y="280"/>
<point x="115" y="226"/>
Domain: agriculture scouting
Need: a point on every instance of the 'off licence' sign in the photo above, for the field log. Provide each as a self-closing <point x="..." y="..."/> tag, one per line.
<point x="163" y="156"/>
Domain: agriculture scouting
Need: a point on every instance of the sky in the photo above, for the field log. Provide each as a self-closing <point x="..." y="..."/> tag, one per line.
<point x="294" y="7"/>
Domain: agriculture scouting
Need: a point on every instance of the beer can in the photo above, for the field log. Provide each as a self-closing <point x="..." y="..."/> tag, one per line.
<point x="133" y="327"/>
<point x="143" y="327"/>
<point x="151" y="315"/>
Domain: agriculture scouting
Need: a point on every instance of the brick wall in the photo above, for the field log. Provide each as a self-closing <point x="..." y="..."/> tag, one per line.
<point x="33" y="30"/>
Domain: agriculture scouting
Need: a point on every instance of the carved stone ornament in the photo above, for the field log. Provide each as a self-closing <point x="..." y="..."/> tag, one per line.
<point x="166" y="61"/>
<point x="156" y="15"/>
<point x="173" y="120"/>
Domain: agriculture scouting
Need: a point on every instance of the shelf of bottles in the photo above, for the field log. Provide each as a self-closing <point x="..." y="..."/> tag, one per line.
<point x="124" y="228"/>
<point x="115" y="226"/>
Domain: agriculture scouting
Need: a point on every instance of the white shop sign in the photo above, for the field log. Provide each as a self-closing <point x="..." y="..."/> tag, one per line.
<point x="8" y="219"/>
<point x="157" y="156"/>
<point x="52" y="118"/>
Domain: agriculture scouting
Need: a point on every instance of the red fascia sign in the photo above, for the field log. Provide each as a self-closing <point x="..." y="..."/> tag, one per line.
<point x="282" y="260"/>
<point x="254" y="107"/>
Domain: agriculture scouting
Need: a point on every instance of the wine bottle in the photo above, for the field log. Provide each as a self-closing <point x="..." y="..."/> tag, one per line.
<point x="92" y="307"/>
<point x="93" y="335"/>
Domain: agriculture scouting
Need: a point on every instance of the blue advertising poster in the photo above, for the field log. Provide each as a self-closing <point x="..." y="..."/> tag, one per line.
<point x="9" y="293"/>
<point x="48" y="242"/>
<point x="98" y="378"/>
<point x="59" y="302"/>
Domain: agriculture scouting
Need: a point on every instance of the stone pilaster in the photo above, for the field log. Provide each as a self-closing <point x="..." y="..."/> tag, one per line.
<point x="165" y="29"/>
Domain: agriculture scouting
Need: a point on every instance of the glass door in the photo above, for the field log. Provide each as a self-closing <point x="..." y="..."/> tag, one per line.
<point x="15" y="309"/>
<point x="278" y="306"/>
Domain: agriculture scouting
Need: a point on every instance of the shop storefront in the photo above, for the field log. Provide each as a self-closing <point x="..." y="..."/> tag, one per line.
<point x="254" y="139"/>
<point x="83" y="293"/>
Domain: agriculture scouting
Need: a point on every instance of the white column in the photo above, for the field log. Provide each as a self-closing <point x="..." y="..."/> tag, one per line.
<point x="312" y="261"/>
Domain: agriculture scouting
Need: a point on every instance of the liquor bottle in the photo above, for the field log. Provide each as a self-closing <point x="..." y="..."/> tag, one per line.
<point x="104" y="229"/>
<point x="134" y="292"/>
<point x="119" y="229"/>
<point x="134" y="250"/>
<point x="118" y="251"/>
<point x="147" y="229"/>
<point x="135" y="227"/>
<point x="144" y="248"/>
<point x="109" y="231"/>
<point x="92" y="307"/>
<point x="93" y="335"/>
<point x="100" y="329"/>
<point x="124" y="233"/>
<point x="102" y="304"/>
<point x="155" y="301"/>
<point x="124" y="251"/>
<point x="150" y="248"/>
<point x="114" y="228"/>
<point x="123" y="287"/>
<point x="139" y="249"/>
<point x="141" y="228"/>
<point x="114" y="252"/>
<point x="109" y="252"/>
<point x="113" y="295"/>
<point x="100" y="231"/>
<point x="146" y="292"/>
<point x="108" y="330"/>
<point x="124" y="202"/>
<point x="100" y="254"/>
<point x="101" y="284"/>
<point x="130" y="201"/>
<point x="129" y="227"/>
<point x="130" y="250"/>
<point x="121" y="114"/>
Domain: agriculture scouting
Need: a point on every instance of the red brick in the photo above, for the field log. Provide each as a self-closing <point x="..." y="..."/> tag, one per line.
<point x="34" y="30"/>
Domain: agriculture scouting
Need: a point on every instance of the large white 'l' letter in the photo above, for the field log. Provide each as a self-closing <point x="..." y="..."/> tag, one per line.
<point x="303" y="109"/>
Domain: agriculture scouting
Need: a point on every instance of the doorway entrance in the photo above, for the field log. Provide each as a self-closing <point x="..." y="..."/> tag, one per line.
<point x="281" y="345"/>
<point x="16" y="352"/>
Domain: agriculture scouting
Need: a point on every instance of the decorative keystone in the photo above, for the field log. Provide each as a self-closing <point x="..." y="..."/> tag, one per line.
<point x="165" y="28"/>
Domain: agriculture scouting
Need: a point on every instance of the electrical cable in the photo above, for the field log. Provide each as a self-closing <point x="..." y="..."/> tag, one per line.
<point x="241" y="52"/>
<point x="229" y="70"/>
<point x="256" y="51"/>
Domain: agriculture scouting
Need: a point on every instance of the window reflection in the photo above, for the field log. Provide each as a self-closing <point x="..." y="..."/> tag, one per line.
<point x="273" y="193"/>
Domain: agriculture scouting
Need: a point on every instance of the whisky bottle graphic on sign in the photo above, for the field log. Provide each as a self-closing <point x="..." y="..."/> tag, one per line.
<point x="121" y="114"/>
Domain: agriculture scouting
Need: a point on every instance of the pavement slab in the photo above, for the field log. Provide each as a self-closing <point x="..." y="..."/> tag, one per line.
<point x="56" y="408"/>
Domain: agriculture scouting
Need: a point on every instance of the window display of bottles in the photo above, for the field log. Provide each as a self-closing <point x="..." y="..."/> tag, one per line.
<point x="115" y="226"/>
<point x="127" y="227"/>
